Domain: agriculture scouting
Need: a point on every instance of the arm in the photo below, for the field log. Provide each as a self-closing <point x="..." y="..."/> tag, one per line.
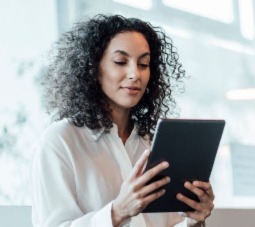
<point x="54" y="194"/>
<point x="134" y="194"/>
<point x="52" y="185"/>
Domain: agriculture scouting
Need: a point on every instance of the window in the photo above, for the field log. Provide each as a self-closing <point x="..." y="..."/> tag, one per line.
<point x="247" y="18"/>
<point x="144" y="5"/>
<point x="214" y="9"/>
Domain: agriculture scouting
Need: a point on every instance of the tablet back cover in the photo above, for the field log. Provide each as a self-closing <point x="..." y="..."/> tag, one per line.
<point x="190" y="147"/>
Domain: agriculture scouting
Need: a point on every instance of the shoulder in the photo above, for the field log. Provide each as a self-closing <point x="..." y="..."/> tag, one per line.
<point x="59" y="128"/>
<point x="62" y="136"/>
<point x="61" y="141"/>
<point x="53" y="152"/>
<point x="64" y="130"/>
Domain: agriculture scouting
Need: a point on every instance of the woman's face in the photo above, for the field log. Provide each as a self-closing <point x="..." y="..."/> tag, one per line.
<point x="125" y="69"/>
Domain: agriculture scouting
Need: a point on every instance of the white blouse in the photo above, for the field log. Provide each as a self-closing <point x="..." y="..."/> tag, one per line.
<point x="76" y="173"/>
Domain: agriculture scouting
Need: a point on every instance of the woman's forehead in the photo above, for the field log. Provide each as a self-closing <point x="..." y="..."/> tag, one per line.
<point x="134" y="42"/>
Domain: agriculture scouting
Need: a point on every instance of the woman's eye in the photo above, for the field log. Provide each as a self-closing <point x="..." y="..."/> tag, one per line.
<point x="120" y="62"/>
<point x="144" y="65"/>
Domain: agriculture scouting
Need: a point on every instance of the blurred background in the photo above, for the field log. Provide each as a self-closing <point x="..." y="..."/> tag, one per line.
<point x="215" y="41"/>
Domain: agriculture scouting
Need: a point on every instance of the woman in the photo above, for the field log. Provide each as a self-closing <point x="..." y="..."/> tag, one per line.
<point x="108" y="84"/>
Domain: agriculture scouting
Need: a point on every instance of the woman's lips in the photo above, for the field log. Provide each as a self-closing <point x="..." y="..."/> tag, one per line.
<point x="131" y="90"/>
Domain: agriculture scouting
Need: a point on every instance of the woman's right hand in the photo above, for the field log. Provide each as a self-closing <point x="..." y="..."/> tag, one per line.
<point x="134" y="194"/>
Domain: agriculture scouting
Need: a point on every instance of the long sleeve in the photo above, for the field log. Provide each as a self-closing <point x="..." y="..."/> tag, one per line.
<point x="193" y="223"/>
<point x="54" y="201"/>
<point x="188" y="222"/>
<point x="178" y="220"/>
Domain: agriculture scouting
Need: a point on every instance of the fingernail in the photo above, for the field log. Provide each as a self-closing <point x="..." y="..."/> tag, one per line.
<point x="187" y="184"/>
<point x="179" y="196"/>
<point x="166" y="164"/>
<point x="168" y="179"/>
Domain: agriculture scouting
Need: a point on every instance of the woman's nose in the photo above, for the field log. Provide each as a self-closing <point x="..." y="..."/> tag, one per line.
<point x="133" y="73"/>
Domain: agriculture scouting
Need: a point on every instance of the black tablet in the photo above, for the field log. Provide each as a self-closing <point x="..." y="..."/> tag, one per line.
<point x="190" y="147"/>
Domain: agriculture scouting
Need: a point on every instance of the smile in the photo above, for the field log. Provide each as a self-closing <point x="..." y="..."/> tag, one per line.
<point x="131" y="90"/>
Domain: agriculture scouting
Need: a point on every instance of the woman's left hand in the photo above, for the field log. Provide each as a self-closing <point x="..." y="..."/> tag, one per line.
<point x="205" y="194"/>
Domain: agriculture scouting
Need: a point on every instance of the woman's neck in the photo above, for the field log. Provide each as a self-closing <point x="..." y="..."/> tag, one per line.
<point x="121" y="118"/>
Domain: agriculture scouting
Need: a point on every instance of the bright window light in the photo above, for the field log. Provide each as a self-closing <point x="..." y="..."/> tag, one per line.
<point x="247" y="18"/>
<point x="214" y="9"/>
<point x="144" y="5"/>
<point x="178" y="32"/>
<point x="230" y="45"/>
<point x="242" y="94"/>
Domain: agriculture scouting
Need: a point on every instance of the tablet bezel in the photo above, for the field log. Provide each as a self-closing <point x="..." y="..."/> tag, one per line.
<point x="191" y="137"/>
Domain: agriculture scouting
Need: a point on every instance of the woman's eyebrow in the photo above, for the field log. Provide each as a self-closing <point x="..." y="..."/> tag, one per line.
<point x="121" y="52"/>
<point x="146" y="54"/>
<point x="126" y="54"/>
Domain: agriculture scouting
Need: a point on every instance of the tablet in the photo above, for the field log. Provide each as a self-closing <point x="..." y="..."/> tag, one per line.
<point x="190" y="147"/>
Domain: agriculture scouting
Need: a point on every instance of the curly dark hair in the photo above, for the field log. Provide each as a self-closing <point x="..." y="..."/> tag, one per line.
<point x="71" y="86"/>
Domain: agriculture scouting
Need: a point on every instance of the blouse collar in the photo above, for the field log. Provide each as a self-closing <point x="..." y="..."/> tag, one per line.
<point x="96" y="134"/>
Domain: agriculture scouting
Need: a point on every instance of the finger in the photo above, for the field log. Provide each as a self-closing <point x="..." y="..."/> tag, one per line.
<point x="202" y="195"/>
<point x="148" y="175"/>
<point x="139" y="164"/>
<point x="206" y="186"/>
<point x="202" y="184"/>
<point x="153" y="186"/>
<point x="147" y="200"/>
<point x="192" y="203"/>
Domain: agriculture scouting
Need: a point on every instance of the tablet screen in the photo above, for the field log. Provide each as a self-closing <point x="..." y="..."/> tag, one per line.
<point x="190" y="147"/>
